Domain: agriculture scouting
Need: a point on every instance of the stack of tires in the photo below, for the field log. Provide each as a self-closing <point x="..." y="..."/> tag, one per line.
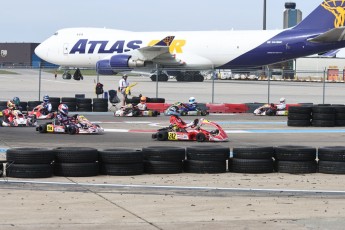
<point x="100" y="105"/>
<point x="339" y="115"/>
<point x="136" y="100"/>
<point x="299" y="116"/>
<point x="121" y="162"/>
<point x="29" y="162"/>
<point x="252" y="160"/>
<point x="55" y="101"/>
<point x="3" y="105"/>
<point x="32" y="105"/>
<point x="71" y="102"/>
<point x="1" y="169"/>
<point x="76" y="162"/>
<point x="163" y="159"/>
<point x="332" y="159"/>
<point x="295" y="159"/>
<point x="323" y="116"/>
<point x="84" y="104"/>
<point x="206" y="159"/>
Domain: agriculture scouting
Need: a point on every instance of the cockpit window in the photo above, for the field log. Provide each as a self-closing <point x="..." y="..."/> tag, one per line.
<point x="56" y="33"/>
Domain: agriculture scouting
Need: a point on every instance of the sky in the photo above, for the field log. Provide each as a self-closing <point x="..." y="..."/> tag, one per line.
<point x="35" y="21"/>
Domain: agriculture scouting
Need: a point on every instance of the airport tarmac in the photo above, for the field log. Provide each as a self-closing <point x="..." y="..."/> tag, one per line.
<point x="185" y="201"/>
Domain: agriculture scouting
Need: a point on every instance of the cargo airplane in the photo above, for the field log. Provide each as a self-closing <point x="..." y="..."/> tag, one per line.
<point x="182" y="53"/>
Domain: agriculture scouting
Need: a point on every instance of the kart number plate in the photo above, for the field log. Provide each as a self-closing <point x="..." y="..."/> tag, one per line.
<point x="50" y="128"/>
<point x="172" y="136"/>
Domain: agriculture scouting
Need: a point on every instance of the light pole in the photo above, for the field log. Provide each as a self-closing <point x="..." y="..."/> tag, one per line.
<point x="264" y="16"/>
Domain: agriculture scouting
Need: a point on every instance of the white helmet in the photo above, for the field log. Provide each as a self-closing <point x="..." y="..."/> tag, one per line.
<point x="191" y="100"/>
<point x="282" y="100"/>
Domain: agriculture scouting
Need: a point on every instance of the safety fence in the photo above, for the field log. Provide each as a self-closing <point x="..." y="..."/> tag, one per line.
<point x="86" y="162"/>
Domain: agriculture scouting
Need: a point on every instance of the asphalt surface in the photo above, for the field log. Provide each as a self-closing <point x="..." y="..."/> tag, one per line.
<point x="170" y="201"/>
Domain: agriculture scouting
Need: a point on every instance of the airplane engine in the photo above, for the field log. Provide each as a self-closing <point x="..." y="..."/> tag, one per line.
<point x="123" y="61"/>
<point x="103" y="68"/>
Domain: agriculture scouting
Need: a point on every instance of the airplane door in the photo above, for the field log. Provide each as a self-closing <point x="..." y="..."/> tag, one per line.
<point x="65" y="49"/>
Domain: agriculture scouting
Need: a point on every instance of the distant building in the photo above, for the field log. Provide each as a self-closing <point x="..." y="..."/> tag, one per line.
<point x="21" y="55"/>
<point x="292" y="16"/>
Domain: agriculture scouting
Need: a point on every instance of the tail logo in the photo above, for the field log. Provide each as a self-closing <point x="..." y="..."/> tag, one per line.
<point x="169" y="39"/>
<point x="337" y="8"/>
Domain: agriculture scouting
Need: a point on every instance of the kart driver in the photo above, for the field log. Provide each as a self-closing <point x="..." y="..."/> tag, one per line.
<point x="46" y="106"/>
<point x="16" y="102"/>
<point x="142" y="105"/>
<point x="282" y="104"/>
<point x="8" y="113"/>
<point x="192" y="104"/>
<point x="177" y="123"/>
<point x="62" y="115"/>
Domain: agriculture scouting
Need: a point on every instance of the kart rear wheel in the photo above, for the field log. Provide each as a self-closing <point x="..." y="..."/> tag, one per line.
<point x="183" y="113"/>
<point x="203" y="113"/>
<point x="72" y="130"/>
<point x="162" y="135"/>
<point x="42" y="128"/>
<point x="200" y="137"/>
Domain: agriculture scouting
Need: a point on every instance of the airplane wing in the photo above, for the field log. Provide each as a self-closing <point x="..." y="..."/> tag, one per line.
<point x="158" y="53"/>
<point x="333" y="35"/>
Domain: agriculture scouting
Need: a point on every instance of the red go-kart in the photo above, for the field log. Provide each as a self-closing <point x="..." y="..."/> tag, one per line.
<point x="200" y="132"/>
<point x="37" y="113"/>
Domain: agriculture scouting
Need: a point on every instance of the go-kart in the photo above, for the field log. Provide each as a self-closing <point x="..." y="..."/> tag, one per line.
<point x="132" y="111"/>
<point x="200" y="132"/>
<point x="19" y="120"/>
<point x="187" y="110"/>
<point x="37" y="112"/>
<point x="269" y="110"/>
<point x="79" y="125"/>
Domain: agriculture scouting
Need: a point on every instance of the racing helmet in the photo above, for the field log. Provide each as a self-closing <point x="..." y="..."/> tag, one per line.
<point x="11" y="105"/>
<point x="16" y="101"/>
<point x="143" y="99"/>
<point x="63" y="108"/>
<point x="124" y="76"/>
<point x="174" y="110"/>
<point x="46" y="98"/>
<point x="191" y="100"/>
<point x="282" y="100"/>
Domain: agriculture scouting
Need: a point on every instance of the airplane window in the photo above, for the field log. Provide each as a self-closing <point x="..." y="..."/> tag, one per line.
<point x="56" y="33"/>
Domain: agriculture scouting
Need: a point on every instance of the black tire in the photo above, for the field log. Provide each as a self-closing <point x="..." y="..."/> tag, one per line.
<point x="255" y="152"/>
<point x="42" y="128"/>
<point x="300" y="109"/>
<point x="332" y="153"/>
<point x="100" y="108"/>
<point x="251" y="165"/>
<point x="157" y="100"/>
<point x="323" y="116"/>
<point x="54" y="100"/>
<point x="323" y="109"/>
<point x="76" y="169"/>
<point x="72" y="130"/>
<point x="120" y="156"/>
<point x="68" y="99"/>
<point x="1" y="169"/>
<point x="3" y="103"/>
<point x="163" y="167"/>
<point x="122" y="169"/>
<point x="75" y="154"/>
<point x="299" y="116"/>
<point x="208" y="153"/>
<point x="200" y="137"/>
<point x="323" y="123"/>
<point x="295" y="153"/>
<point x="164" y="153"/>
<point x="299" y="123"/>
<point x="29" y="170"/>
<point x="331" y="167"/>
<point x="162" y="135"/>
<point x="84" y="101"/>
<point x="339" y="123"/>
<point x="195" y="166"/>
<point x="72" y="106"/>
<point x="30" y="155"/>
<point x="340" y="116"/>
<point x="296" y="167"/>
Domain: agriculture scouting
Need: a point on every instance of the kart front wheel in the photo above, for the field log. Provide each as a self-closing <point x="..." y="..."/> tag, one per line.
<point x="42" y="128"/>
<point x="200" y="137"/>
<point x="162" y="135"/>
<point x="72" y="130"/>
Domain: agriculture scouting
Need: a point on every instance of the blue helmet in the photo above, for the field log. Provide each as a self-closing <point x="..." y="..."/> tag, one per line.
<point x="46" y="98"/>
<point x="16" y="101"/>
<point x="174" y="110"/>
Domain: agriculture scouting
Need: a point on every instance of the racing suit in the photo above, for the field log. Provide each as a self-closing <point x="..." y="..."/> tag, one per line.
<point x="142" y="106"/>
<point x="46" y="108"/>
<point x="281" y="106"/>
<point x="8" y="115"/>
<point x="192" y="106"/>
<point x="63" y="119"/>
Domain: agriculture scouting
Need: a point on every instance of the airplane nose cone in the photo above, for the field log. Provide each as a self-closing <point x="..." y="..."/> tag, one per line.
<point x="41" y="51"/>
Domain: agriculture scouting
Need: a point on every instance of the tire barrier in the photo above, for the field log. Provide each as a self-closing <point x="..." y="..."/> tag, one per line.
<point x="71" y="102"/>
<point x="29" y="162"/>
<point x="252" y="160"/>
<point x="295" y="159"/>
<point x="100" y="104"/>
<point x="84" y="104"/>
<point x="163" y="159"/>
<point x="299" y="116"/>
<point x="121" y="162"/>
<point x="206" y="159"/>
<point x="86" y="162"/>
